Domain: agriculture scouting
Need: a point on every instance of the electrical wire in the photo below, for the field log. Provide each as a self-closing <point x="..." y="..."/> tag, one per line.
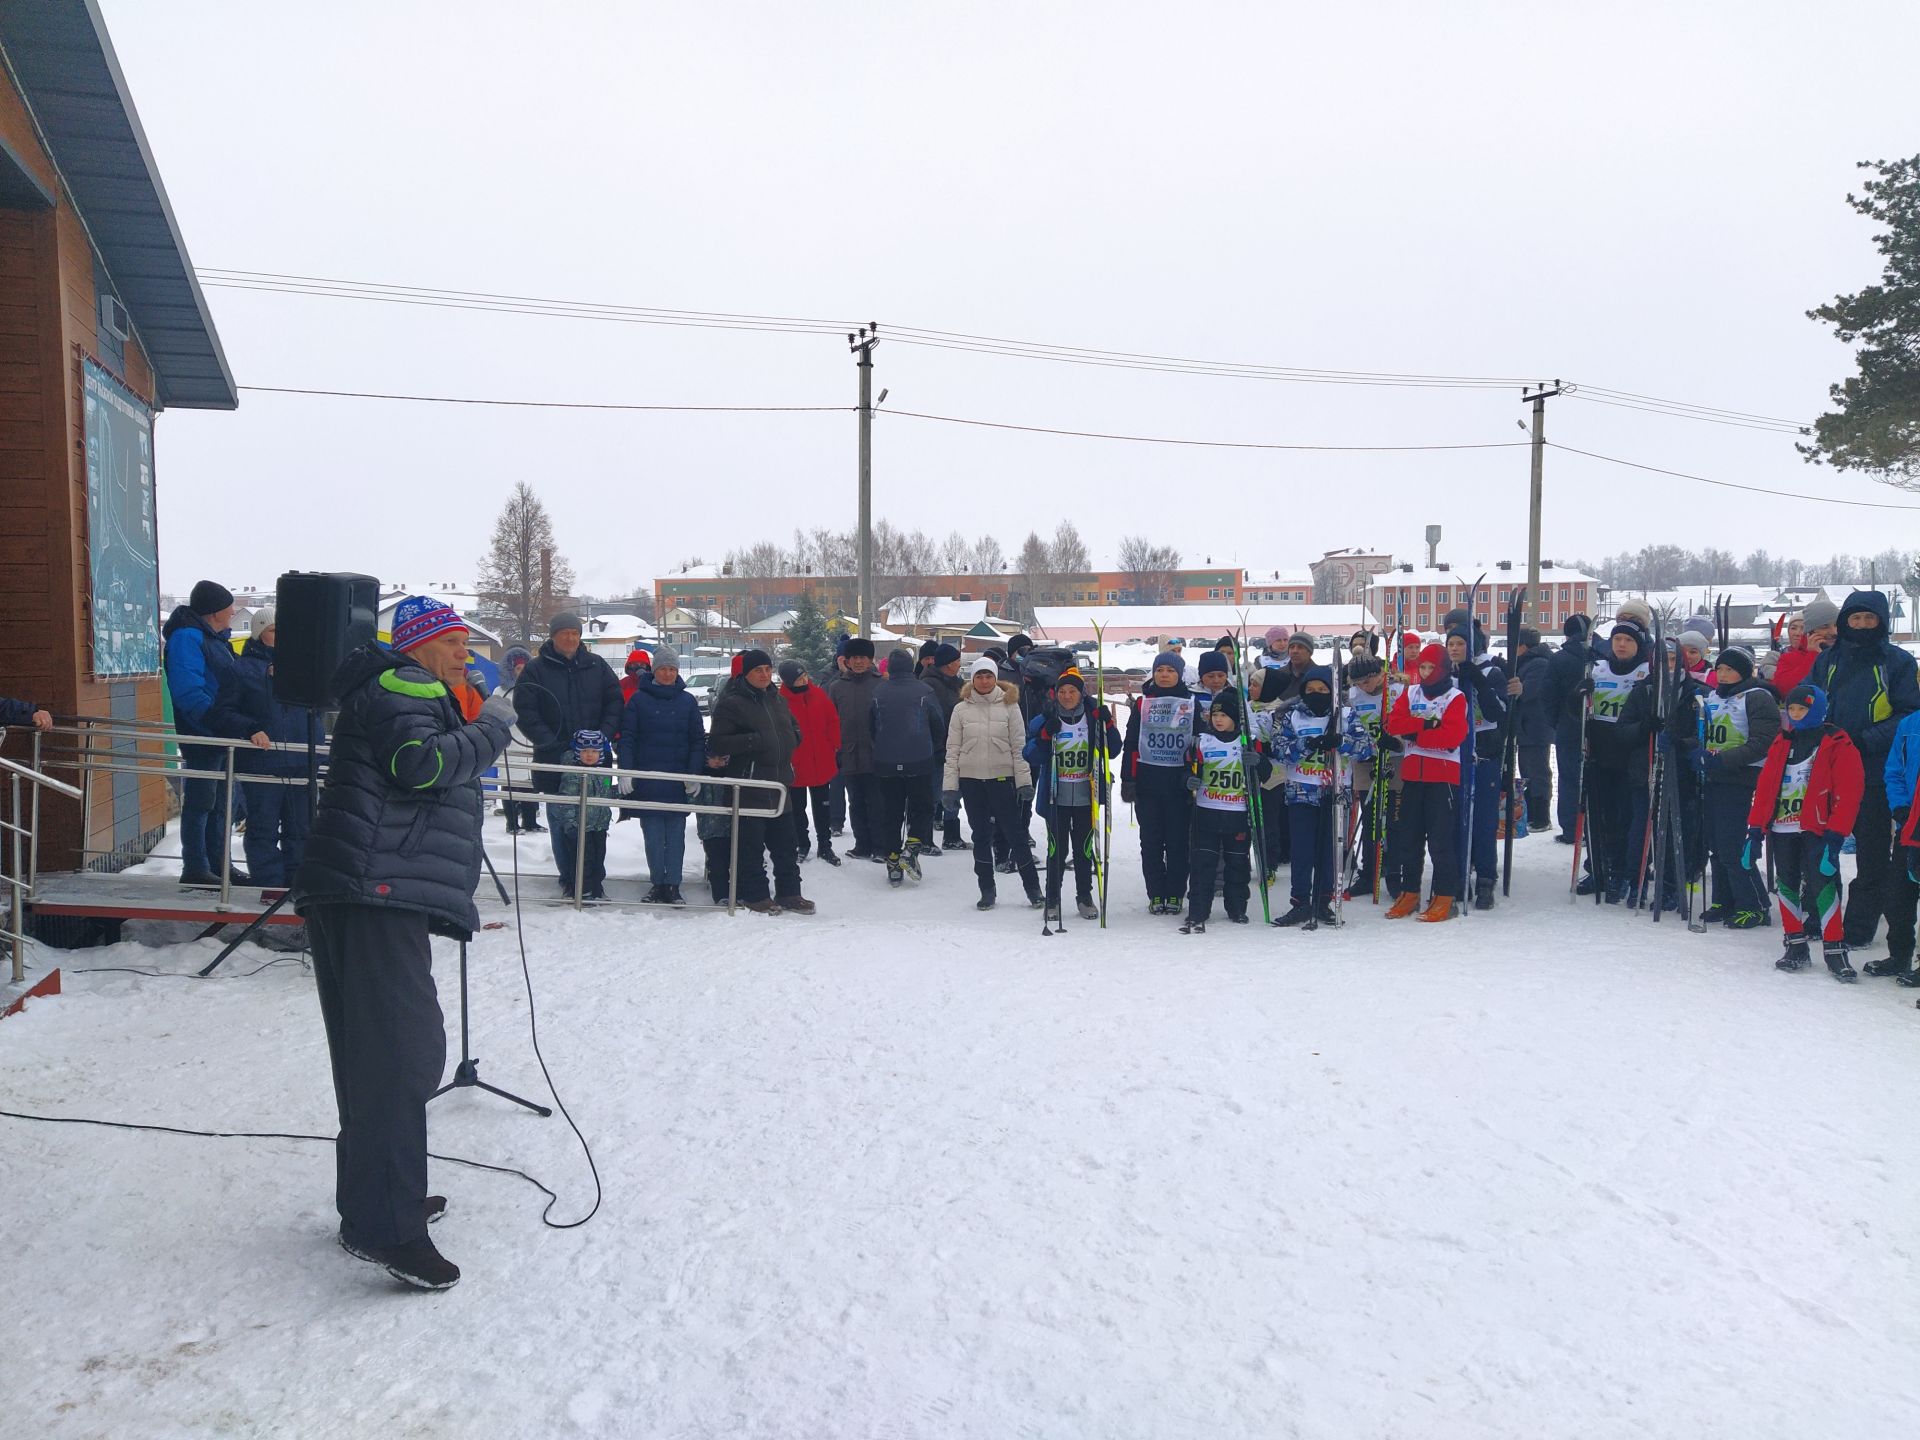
<point x="1774" y="427"/>
<point x="1730" y="484"/>
<point x="1177" y="440"/>
<point x="545" y="404"/>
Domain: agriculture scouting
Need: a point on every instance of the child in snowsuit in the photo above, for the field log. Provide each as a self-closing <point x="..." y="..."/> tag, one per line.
<point x="1724" y="739"/>
<point x="564" y="816"/>
<point x="1153" y="779"/>
<point x="1306" y="737"/>
<point x="1432" y="719"/>
<point x="1804" y="806"/>
<point x="1619" y="721"/>
<point x="1361" y="737"/>
<point x="1217" y="775"/>
<point x="1068" y="745"/>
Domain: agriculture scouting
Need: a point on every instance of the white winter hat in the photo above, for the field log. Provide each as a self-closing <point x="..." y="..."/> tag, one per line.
<point x="262" y="620"/>
<point x="984" y="666"/>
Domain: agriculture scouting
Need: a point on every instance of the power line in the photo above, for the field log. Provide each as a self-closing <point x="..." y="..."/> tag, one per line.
<point x="1732" y="485"/>
<point x="1771" y="427"/>
<point x="539" y="404"/>
<point x="843" y="409"/>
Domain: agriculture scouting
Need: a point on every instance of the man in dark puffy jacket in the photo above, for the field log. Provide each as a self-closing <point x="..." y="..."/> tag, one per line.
<point x="753" y="737"/>
<point x="1534" y="726"/>
<point x="392" y="861"/>
<point x="1562" y="700"/>
<point x="278" y="814"/>
<point x="1871" y="685"/>
<point x="564" y="689"/>
<point x="909" y="733"/>
<point x="852" y="695"/>
<point x="204" y="681"/>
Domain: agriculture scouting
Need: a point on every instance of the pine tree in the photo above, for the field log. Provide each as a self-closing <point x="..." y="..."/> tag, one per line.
<point x="809" y="640"/>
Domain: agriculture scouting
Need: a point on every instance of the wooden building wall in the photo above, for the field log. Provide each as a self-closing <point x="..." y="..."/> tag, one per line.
<point x="48" y="305"/>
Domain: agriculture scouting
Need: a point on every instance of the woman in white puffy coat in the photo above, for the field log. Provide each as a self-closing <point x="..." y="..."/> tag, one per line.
<point x="985" y="736"/>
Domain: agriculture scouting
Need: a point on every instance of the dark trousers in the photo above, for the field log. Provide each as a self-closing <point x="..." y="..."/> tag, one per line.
<point x="902" y="798"/>
<point x="1070" y="834"/>
<point x="1220" y="846"/>
<point x="774" y="836"/>
<point x="568" y="839"/>
<point x="1880" y="886"/>
<point x="993" y="808"/>
<point x="1485" y="840"/>
<point x="719" y="854"/>
<point x="276" y="837"/>
<point x="1310" y="832"/>
<point x="799" y="798"/>
<point x="1424" y="817"/>
<point x="1163" y="808"/>
<point x="1734" y="886"/>
<point x="522" y="814"/>
<point x="1276" y="835"/>
<point x="863" y="806"/>
<point x="548" y="783"/>
<point x="1809" y="901"/>
<point x="373" y="967"/>
<point x="945" y="820"/>
<point x="1536" y="783"/>
<point x="1616" y="826"/>
<point x="664" y="833"/>
<point x="837" y="803"/>
<point x="203" y="812"/>
<point x="1567" y="760"/>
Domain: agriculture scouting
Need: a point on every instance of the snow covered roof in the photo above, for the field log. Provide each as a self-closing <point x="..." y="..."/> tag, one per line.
<point x="768" y="623"/>
<point x="693" y="572"/>
<point x="1466" y="574"/>
<point x="1196" y="622"/>
<point x="680" y="618"/>
<point x="933" y="610"/>
<point x="614" y="624"/>
<point x="1275" y="577"/>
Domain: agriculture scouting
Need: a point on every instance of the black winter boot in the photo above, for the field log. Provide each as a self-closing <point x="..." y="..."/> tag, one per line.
<point x="1796" y="957"/>
<point x="984" y="873"/>
<point x="1837" y="966"/>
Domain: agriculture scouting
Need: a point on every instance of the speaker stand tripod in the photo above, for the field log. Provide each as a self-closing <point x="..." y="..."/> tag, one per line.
<point x="466" y="1075"/>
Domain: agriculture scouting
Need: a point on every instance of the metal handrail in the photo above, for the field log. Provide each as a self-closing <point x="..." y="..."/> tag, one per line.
<point x="77" y="753"/>
<point x="25" y="837"/>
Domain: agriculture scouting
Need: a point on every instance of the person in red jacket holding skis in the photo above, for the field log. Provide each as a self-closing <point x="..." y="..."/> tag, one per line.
<point x="1804" y="807"/>
<point x="1431" y="717"/>
<point x="814" y="765"/>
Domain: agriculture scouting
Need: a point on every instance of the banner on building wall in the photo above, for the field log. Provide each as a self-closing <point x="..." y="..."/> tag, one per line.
<point x="123" y="549"/>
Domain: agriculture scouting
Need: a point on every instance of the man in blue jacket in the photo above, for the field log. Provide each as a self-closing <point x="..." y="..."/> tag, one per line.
<point x="204" y="680"/>
<point x="1870" y="684"/>
<point x="661" y="731"/>
<point x="392" y="861"/>
<point x="24" y="713"/>
<point x="278" y="814"/>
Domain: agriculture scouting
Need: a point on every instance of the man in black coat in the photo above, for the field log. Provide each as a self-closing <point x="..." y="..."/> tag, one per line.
<point x="392" y="861"/>
<point x="1534" y="724"/>
<point x="752" y="737"/>
<point x="942" y="674"/>
<point x="909" y="739"/>
<point x="1562" y="700"/>
<point x="564" y="689"/>
<point x="852" y="696"/>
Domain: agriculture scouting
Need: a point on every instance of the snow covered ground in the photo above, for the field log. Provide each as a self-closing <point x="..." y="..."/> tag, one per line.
<point x="902" y="1170"/>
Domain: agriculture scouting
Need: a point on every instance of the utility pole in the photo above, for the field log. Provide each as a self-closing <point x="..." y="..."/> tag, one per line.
<point x="1538" y="399"/>
<point x="862" y="345"/>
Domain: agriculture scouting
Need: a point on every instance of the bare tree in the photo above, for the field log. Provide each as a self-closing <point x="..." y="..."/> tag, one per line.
<point x="987" y="557"/>
<point x="1034" y="569"/>
<point x="956" y="555"/>
<point x="1068" y="553"/>
<point x="523" y="577"/>
<point x="1149" y="568"/>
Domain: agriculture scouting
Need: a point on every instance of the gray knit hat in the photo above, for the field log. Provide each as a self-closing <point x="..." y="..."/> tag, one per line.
<point x="1820" y="614"/>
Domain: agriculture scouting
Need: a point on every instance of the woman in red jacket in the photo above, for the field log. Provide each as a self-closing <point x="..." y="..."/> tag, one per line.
<point x="818" y="720"/>
<point x="1804" y="807"/>
<point x="1432" y="719"/>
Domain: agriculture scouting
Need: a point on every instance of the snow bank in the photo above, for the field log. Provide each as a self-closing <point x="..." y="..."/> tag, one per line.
<point x="903" y="1170"/>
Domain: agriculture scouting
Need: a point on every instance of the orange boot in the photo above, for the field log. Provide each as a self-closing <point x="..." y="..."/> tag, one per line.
<point x="1408" y="902"/>
<point x="1439" y="908"/>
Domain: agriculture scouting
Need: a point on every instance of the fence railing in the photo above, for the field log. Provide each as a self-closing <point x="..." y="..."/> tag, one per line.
<point x="90" y="746"/>
<point x="20" y="847"/>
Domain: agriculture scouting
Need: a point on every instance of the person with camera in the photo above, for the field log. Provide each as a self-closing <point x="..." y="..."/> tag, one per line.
<point x="392" y="861"/>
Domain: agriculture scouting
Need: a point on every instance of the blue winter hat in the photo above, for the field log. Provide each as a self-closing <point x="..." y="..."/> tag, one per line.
<point x="1213" y="662"/>
<point x="1171" y="660"/>
<point x="1811" y="696"/>
<point x="418" y="618"/>
<point x="589" y="740"/>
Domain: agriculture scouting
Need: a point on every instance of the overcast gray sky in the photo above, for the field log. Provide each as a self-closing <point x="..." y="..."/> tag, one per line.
<point x="1645" y="196"/>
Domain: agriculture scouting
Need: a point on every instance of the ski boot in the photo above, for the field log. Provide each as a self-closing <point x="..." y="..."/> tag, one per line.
<point x="1483" y="894"/>
<point x="1588" y="884"/>
<point x="1715" y="914"/>
<point x="1408" y="902"/>
<point x="1746" y="919"/>
<point x="911" y="861"/>
<point x="1088" y="910"/>
<point x="1795" y="958"/>
<point x="1299" y="914"/>
<point x="1911" y="979"/>
<point x="929" y="849"/>
<point x="895" y="874"/>
<point x="987" y="896"/>
<point x="1052" y="917"/>
<point x="1325" y="914"/>
<point x="1035" y="899"/>
<point x="827" y="854"/>
<point x="1193" y="927"/>
<point x="1837" y="966"/>
<point x="1888" y="966"/>
<point x="1439" y="908"/>
<point x="1237" y="917"/>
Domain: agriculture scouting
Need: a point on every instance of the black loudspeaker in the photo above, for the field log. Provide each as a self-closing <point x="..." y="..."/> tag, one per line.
<point x="318" y="620"/>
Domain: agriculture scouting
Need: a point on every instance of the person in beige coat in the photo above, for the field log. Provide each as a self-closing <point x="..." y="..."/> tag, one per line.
<point x="985" y="773"/>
